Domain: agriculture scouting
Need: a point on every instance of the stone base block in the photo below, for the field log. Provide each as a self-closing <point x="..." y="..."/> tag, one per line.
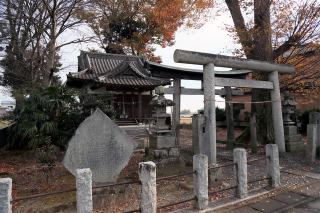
<point x="175" y="152"/>
<point x="293" y="138"/>
<point x="290" y="130"/>
<point x="160" y="153"/>
<point x="162" y="141"/>
<point x="294" y="146"/>
<point x="171" y="161"/>
<point x="164" y="153"/>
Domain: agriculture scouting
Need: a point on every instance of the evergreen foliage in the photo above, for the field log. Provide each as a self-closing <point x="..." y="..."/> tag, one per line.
<point x="49" y="116"/>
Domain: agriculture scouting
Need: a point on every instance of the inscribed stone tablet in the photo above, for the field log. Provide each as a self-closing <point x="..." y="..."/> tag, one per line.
<point x="99" y="144"/>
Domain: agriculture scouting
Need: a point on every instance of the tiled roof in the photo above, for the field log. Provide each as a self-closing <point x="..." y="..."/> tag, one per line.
<point x="115" y="70"/>
<point x="132" y="71"/>
<point x="129" y="81"/>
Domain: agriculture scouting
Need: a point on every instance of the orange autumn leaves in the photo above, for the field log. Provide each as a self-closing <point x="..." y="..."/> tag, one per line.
<point x="153" y="22"/>
<point x="169" y="15"/>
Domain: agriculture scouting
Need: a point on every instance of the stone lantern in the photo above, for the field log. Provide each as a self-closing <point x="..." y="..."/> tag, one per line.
<point x="292" y="138"/>
<point x="162" y="140"/>
<point x="288" y="108"/>
<point x="159" y="112"/>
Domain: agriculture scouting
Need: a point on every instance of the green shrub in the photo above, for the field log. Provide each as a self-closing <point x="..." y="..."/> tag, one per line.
<point x="48" y="114"/>
<point x="220" y="114"/>
<point x="48" y="117"/>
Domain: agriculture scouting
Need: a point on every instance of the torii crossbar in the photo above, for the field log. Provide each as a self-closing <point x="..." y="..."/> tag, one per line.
<point x="209" y="82"/>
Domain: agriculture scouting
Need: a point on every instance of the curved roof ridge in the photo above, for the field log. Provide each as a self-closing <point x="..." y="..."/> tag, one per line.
<point x="136" y="70"/>
<point x="110" y="54"/>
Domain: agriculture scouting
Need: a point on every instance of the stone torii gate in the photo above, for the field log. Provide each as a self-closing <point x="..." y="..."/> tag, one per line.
<point x="210" y="82"/>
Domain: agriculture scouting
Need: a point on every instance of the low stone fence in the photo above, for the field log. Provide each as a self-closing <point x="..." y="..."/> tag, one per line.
<point x="148" y="181"/>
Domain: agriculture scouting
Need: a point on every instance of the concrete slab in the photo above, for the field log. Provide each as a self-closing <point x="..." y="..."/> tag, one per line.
<point x="302" y="210"/>
<point x="268" y="205"/>
<point x="245" y="209"/>
<point x="312" y="190"/>
<point x="308" y="207"/>
<point x="289" y="198"/>
<point x="315" y="205"/>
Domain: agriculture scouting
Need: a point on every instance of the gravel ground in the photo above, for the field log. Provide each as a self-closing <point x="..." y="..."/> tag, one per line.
<point x="22" y="167"/>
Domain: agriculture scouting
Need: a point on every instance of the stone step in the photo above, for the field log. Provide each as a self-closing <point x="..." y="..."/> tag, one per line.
<point x="128" y="122"/>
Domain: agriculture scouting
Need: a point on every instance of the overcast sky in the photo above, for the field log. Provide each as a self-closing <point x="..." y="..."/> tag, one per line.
<point x="211" y="38"/>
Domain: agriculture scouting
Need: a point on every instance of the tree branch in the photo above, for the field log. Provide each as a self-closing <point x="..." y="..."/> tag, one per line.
<point x="76" y="41"/>
<point x="239" y="23"/>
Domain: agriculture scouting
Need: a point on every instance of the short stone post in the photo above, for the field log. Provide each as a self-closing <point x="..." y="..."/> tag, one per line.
<point x="200" y="180"/>
<point x="240" y="160"/>
<point x="5" y="195"/>
<point x="147" y="176"/>
<point x="84" y="190"/>
<point x="273" y="168"/>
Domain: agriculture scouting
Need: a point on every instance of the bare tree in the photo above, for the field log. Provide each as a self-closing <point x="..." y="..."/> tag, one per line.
<point x="276" y="29"/>
<point x="35" y="27"/>
<point x="61" y="16"/>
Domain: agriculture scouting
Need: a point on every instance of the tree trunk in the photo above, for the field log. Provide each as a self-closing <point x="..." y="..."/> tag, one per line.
<point x="50" y="62"/>
<point x="262" y="50"/>
<point x="257" y="45"/>
<point x="51" y="45"/>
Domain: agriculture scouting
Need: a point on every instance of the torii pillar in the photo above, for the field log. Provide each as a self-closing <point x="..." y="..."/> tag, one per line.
<point x="176" y="109"/>
<point x="210" y="113"/>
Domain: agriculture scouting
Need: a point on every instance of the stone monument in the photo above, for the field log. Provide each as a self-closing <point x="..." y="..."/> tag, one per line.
<point x="162" y="139"/>
<point x="313" y="132"/>
<point x="293" y="140"/>
<point x="99" y="144"/>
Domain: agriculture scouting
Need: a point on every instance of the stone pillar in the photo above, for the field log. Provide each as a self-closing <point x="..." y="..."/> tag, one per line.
<point x="200" y="180"/>
<point x="210" y="112"/>
<point x="201" y="130"/>
<point x="198" y="142"/>
<point x="195" y="134"/>
<point x="277" y="112"/>
<point x="147" y="176"/>
<point x="313" y="135"/>
<point x="176" y="108"/>
<point x="314" y="118"/>
<point x="273" y="168"/>
<point x="5" y="195"/>
<point x="240" y="168"/>
<point x="253" y="132"/>
<point x="229" y="117"/>
<point x="140" y="106"/>
<point x="84" y="191"/>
